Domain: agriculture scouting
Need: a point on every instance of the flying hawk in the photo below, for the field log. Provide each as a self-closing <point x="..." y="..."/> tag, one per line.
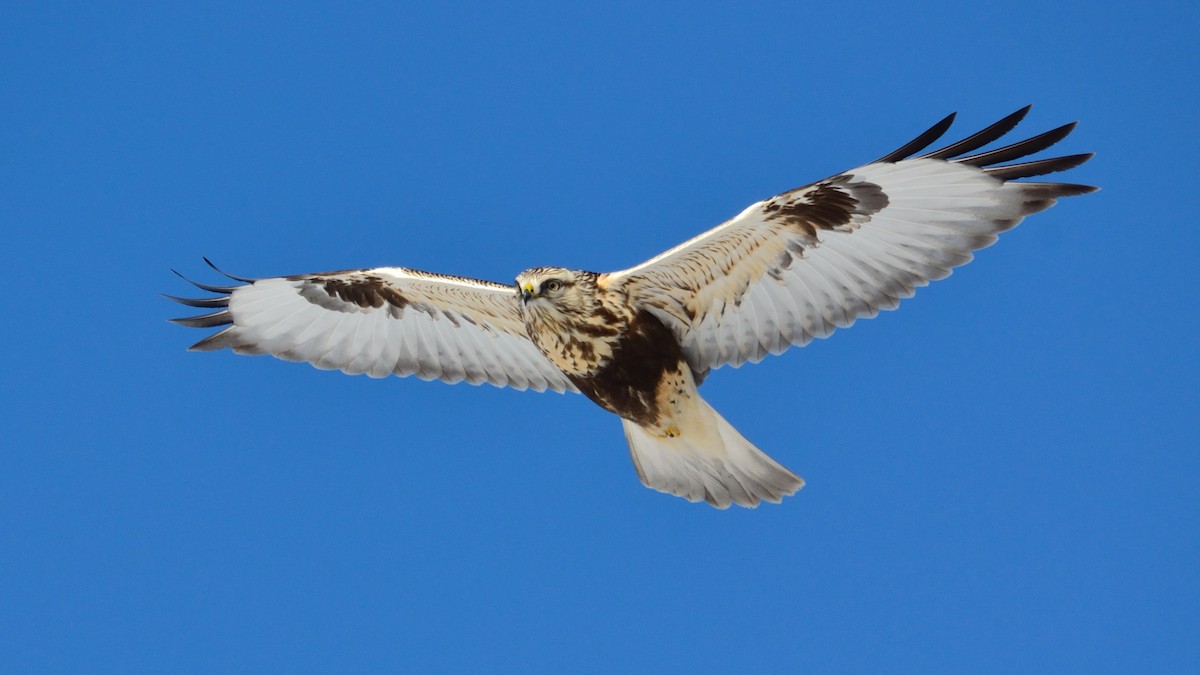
<point x="638" y="342"/>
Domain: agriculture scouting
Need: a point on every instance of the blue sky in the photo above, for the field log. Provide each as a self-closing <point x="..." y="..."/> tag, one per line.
<point x="1002" y="475"/>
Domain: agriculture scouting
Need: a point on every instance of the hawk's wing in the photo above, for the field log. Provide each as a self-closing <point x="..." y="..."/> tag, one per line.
<point x="384" y="321"/>
<point x="805" y="262"/>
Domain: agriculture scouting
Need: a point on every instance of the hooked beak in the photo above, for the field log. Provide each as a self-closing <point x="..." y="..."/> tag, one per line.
<point x="526" y="292"/>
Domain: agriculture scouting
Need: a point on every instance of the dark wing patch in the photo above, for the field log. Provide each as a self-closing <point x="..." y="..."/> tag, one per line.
<point x="364" y="291"/>
<point x="838" y="204"/>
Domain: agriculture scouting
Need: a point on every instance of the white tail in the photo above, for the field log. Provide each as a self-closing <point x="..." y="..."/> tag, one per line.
<point x="708" y="460"/>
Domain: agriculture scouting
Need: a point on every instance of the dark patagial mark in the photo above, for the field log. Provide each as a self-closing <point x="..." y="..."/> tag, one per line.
<point x="834" y="204"/>
<point x="365" y="291"/>
<point x="627" y="384"/>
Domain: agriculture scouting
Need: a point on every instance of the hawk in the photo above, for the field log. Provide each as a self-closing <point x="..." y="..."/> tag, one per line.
<point x="639" y="342"/>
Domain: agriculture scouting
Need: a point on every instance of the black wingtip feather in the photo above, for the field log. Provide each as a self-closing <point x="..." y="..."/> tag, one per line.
<point x="206" y="287"/>
<point x="227" y="274"/>
<point x="1074" y="189"/>
<point x="222" y="301"/>
<point x="920" y="142"/>
<point x="1038" y="167"/>
<point x="1019" y="149"/>
<point x="219" y="340"/>
<point x="981" y="138"/>
<point x="213" y="320"/>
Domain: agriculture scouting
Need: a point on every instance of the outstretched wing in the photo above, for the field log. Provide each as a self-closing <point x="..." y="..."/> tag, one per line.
<point x="384" y="321"/>
<point x="803" y="263"/>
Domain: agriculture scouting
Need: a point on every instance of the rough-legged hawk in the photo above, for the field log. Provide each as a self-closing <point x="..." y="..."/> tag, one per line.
<point x="638" y="342"/>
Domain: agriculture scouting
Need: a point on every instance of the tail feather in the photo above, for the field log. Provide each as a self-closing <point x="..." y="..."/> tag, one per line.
<point x="709" y="460"/>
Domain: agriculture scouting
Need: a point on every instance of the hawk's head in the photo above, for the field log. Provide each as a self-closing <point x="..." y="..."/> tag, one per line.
<point x="569" y="317"/>
<point x="557" y="292"/>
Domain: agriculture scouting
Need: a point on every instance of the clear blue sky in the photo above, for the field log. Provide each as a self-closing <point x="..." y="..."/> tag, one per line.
<point x="1002" y="475"/>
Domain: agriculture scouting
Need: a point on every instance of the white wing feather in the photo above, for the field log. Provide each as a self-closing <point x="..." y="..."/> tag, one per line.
<point x="382" y="322"/>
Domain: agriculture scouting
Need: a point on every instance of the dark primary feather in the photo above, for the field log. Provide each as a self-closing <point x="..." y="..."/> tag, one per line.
<point x="1059" y="189"/>
<point x="1038" y="167"/>
<point x="1020" y="148"/>
<point x="206" y="287"/>
<point x="221" y="301"/>
<point x="214" y="342"/>
<point x="213" y="320"/>
<point x="981" y="138"/>
<point x="227" y="274"/>
<point x="919" y="143"/>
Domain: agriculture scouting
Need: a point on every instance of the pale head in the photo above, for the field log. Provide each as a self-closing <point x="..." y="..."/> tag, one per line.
<point x="556" y="291"/>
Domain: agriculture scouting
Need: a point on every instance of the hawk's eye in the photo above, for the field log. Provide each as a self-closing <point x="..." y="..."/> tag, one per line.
<point x="552" y="286"/>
